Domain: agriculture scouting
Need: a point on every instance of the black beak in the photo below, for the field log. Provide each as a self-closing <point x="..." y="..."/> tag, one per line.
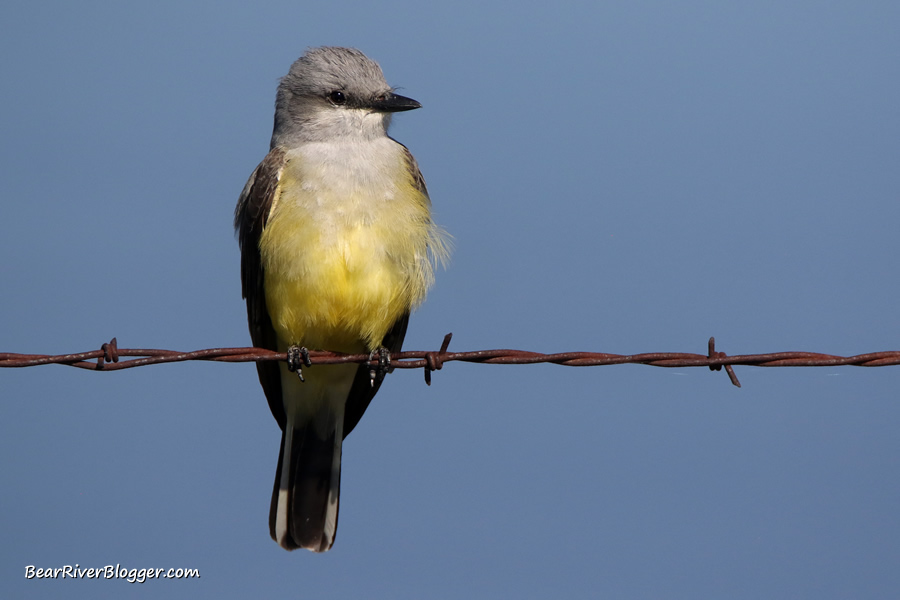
<point x="394" y="103"/>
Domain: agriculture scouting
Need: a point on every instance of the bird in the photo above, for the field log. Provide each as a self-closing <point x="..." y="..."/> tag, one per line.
<point x="338" y="247"/>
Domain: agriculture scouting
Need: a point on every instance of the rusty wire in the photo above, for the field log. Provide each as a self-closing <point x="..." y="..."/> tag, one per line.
<point x="108" y="358"/>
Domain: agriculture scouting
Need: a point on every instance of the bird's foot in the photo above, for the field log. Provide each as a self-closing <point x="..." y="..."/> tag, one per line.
<point x="378" y="372"/>
<point x="298" y="357"/>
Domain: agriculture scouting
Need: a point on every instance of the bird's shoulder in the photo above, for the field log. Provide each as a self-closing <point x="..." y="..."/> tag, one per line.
<point x="256" y="198"/>
<point x="412" y="168"/>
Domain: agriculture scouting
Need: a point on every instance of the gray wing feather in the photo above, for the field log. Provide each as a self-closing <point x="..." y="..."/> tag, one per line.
<point x="413" y="167"/>
<point x="250" y="218"/>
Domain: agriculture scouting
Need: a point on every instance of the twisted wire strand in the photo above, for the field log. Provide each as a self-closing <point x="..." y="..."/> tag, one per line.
<point x="110" y="358"/>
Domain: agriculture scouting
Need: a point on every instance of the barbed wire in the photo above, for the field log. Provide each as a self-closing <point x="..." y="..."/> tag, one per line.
<point x="109" y="358"/>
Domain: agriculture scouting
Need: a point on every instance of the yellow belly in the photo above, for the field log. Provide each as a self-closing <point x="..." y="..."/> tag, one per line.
<point x="342" y="265"/>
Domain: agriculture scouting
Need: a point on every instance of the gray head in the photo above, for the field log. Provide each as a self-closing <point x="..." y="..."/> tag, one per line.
<point x="334" y="93"/>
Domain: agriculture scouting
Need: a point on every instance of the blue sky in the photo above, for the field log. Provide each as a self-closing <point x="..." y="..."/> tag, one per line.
<point x="622" y="177"/>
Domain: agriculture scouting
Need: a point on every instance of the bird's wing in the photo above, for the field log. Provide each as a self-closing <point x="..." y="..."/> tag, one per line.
<point x="413" y="168"/>
<point x="250" y="218"/>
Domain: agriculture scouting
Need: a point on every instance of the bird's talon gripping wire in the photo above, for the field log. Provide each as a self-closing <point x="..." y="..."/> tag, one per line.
<point x="298" y="357"/>
<point x="384" y="365"/>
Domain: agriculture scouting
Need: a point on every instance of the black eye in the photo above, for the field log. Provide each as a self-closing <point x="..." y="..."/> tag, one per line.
<point x="337" y="97"/>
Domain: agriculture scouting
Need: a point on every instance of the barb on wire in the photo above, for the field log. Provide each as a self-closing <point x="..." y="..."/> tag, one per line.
<point x="110" y="358"/>
<point x="713" y="354"/>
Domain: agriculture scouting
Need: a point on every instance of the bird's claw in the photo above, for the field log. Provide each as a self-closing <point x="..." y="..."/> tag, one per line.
<point x="298" y="357"/>
<point x="378" y="372"/>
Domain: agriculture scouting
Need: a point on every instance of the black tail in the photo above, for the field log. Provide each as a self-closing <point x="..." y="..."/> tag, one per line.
<point x="304" y="508"/>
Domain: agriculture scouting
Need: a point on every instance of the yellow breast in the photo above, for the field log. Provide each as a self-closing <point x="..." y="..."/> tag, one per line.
<point x="345" y="249"/>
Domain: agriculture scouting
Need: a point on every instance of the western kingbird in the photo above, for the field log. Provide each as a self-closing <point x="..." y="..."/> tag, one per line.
<point x="337" y="247"/>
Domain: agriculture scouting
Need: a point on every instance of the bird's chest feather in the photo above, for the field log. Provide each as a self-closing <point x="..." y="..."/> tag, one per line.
<point x="342" y="246"/>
